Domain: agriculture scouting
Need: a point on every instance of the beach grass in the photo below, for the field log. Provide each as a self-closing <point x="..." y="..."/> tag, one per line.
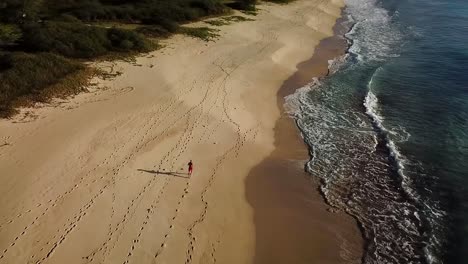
<point x="237" y="19"/>
<point x="9" y="34"/>
<point x="95" y="29"/>
<point x="217" y="22"/>
<point x="280" y="1"/>
<point x="251" y="12"/>
<point x="223" y="21"/>
<point x="28" y="78"/>
<point x="203" y="33"/>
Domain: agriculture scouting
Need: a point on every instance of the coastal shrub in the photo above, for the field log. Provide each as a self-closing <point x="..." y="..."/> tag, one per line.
<point x="67" y="18"/>
<point x="279" y="1"/>
<point x="217" y="22"/>
<point x="252" y="12"/>
<point x="24" y="74"/>
<point x="79" y="40"/>
<point x="9" y="34"/>
<point x="237" y="19"/>
<point x="139" y="10"/>
<point x="227" y="20"/>
<point x="75" y="29"/>
<point x="243" y="4"/>
<point x="126" y="40"/>
<point x="154" y="31"/>
<point x="16" y="11"/>
<point x="68" y="39"/>
<point x="203" y="33"/>
<point x="20" y="11"/>
<point x="166" y="24"/>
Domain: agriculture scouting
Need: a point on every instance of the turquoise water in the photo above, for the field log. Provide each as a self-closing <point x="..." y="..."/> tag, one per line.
<point x="388" y="129"/>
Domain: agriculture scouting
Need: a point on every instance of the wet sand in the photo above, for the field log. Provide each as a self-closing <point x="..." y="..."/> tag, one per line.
<point x="102" y="178"/>
<point x="293" y="223"/>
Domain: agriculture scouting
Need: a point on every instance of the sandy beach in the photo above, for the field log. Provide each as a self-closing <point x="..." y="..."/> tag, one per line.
<point x="102" y="177"/>
<point x="286" y="199"/>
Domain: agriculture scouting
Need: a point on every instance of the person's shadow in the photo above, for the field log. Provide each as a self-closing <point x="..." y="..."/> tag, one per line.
<point x="171" y="173"/>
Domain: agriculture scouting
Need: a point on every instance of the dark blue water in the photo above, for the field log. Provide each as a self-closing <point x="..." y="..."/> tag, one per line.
<point x="388" y="129"/>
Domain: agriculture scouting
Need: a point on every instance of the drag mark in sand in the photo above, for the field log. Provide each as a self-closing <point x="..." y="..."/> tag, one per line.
<point x="235" y="148"/>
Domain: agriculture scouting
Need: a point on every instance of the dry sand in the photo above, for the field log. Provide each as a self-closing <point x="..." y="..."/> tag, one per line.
<point x="285" y="197"/>
<point x="102" y="178"/>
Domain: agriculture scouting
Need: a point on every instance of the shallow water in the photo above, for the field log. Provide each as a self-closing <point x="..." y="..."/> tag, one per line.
<point x="388" y="129"/>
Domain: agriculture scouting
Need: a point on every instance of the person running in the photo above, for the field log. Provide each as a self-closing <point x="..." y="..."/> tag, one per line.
<point x="190" y="167"/>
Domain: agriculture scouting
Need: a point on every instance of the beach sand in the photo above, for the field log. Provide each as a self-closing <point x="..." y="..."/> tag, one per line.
<point x="286" y="199"/>
<point x="102" y="177"/>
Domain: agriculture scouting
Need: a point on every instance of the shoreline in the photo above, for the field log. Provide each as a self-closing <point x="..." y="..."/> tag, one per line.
<point x="286" y="180"/>
<point x="112" y="162"/>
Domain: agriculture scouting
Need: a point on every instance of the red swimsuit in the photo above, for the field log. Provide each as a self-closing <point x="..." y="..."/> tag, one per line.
<point x="190" y="167"/>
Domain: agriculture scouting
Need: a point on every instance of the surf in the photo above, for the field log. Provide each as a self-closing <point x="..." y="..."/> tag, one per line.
<point x="356" y="154"/>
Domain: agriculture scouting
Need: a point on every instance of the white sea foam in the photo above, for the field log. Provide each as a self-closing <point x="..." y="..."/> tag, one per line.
<point x="372" y="20"/>
<point x="372" y="109"/>
<point x="293" y="102"/>
<point x="399" y="134"/>
<point x="335" y="64"/>
<point x="374" y="39"/>
<point x="371" y="104"/>
<point x="343" y="146"/>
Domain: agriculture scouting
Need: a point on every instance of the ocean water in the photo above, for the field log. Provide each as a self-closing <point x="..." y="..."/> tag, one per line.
<point x="388" y="129"/>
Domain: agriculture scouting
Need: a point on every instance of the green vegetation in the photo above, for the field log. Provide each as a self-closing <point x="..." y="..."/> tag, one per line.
<point x="237" y="19"/>
<point x="77" y="40"/>
<point x="33" y="75"/>
<point x="227" y="20"/>
<point x="279" y="1"/>
<point x="9" y="34"/>
<point x="203" y="33"/>
<point x="42" y="42"/>
<point x="217" y="22"/>
<point x="153" y="31"/>
<point x="242" y="4"/>
<point x="250" y="12"/>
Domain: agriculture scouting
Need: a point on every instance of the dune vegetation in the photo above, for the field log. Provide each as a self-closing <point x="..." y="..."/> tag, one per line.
<point x="44" y="41"/>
